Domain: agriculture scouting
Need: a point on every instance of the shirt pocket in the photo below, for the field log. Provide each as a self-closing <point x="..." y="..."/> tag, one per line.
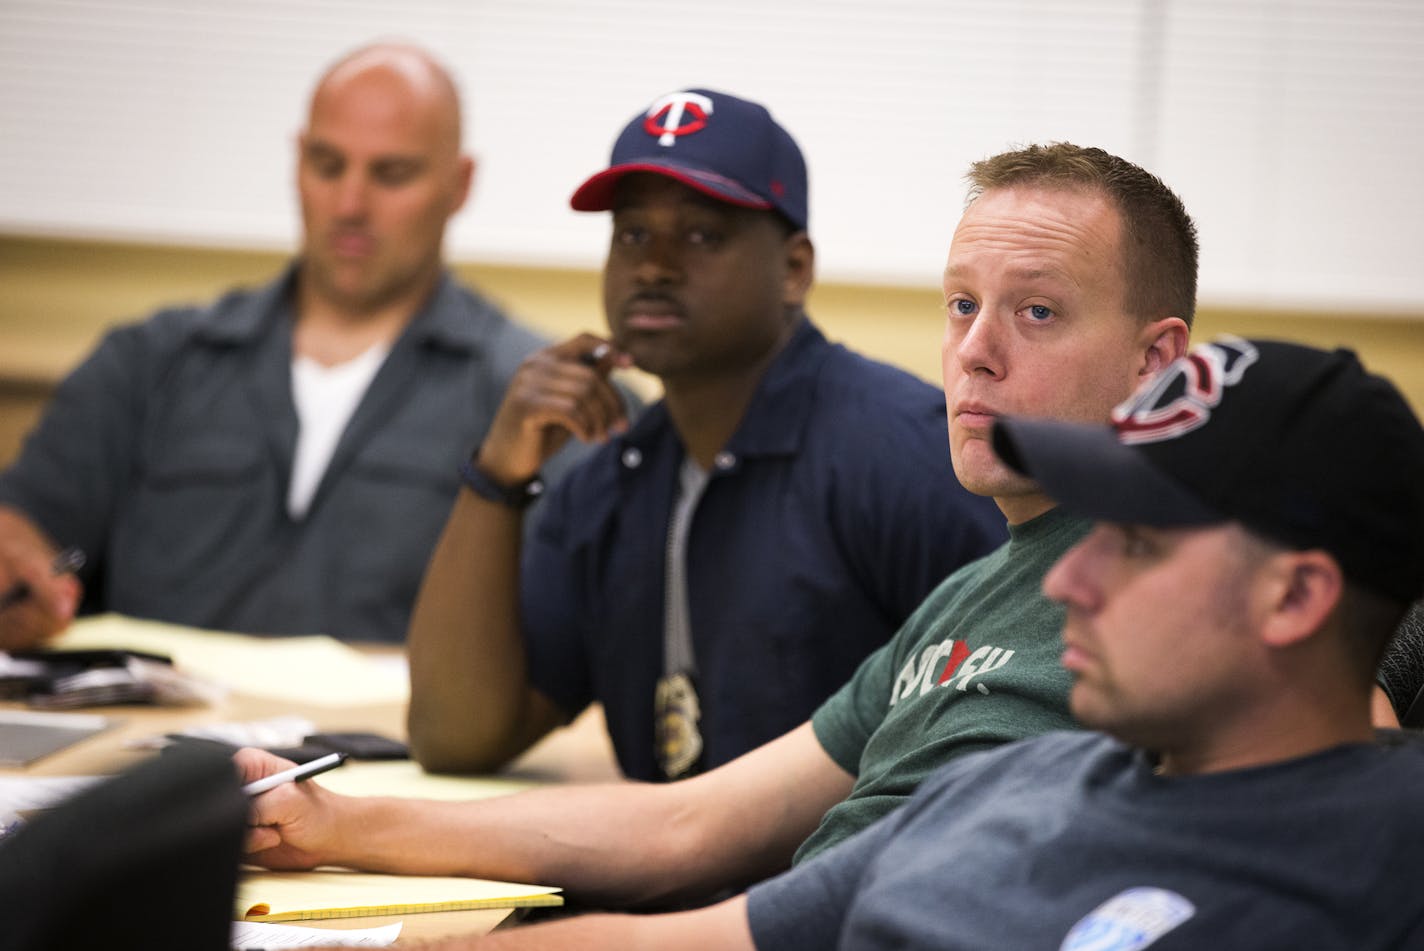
<point x="390" y="464"/>
<point x="384" y="515"/>
<point x="203" y="502"/>
<point x="203" y="463"/>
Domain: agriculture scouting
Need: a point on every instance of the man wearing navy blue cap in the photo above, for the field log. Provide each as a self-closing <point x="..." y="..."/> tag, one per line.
<point x="719" y="568"/>
<point x="760" y="168"/>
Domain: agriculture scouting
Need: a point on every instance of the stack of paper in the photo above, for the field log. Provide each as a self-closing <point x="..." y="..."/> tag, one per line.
<point x="316" y="670"/>
<point x="259" y="936"/>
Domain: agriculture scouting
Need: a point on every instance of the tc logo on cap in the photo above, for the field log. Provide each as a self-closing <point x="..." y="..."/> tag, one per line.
<point x="665" y="117"/>
<point x="1181" y="397"/>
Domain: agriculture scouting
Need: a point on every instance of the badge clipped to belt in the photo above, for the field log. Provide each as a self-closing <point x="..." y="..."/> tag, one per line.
<point x="676" y="712"/>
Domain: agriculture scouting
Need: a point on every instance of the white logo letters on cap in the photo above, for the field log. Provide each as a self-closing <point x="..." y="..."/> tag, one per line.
<point x="664" y="118"/>
<point x="1181" y="397"/>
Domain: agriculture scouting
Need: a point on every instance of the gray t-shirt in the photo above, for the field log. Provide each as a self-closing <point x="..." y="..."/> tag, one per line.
<point x="1069" y="841"/>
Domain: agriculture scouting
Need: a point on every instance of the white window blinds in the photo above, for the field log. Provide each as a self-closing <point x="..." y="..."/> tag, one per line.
<point x="1292" y="128"/>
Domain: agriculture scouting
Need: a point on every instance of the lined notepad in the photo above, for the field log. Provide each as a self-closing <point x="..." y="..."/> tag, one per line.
<point x="338" y="893"/>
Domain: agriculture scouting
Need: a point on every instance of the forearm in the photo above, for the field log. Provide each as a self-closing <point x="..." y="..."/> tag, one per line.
<point x="471" y="708"/>
<point x="722" y="927"/>
<point x="612" y="845"/>
<point x="471" y="704"/>
<point x="616" y="844"/>
<point x="583" y="933"/>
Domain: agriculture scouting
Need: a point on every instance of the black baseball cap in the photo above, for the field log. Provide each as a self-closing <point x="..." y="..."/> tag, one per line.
<point x="728" y="148"/>
<point x="1301" y="446"/>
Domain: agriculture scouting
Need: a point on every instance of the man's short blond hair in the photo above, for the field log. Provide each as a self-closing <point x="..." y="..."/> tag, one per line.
<point x="1159" y="238"/>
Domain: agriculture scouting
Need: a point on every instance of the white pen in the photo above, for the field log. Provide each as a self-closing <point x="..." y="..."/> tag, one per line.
<point x="304" y="771"/>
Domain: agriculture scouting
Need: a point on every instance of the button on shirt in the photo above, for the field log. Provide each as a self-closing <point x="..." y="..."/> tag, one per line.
<point x="827" y="518"/>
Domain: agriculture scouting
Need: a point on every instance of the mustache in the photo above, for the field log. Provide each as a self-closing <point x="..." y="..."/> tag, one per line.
<point x="661" y="299"/>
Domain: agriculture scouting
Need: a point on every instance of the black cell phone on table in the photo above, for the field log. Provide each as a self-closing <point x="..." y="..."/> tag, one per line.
<point x="358" y="746"/>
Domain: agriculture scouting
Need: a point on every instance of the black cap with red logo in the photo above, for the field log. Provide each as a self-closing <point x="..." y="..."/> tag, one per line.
<point x="1302" y="446"/>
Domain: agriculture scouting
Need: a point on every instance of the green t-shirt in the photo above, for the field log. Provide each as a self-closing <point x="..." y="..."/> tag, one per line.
<point x="975" y="666"/>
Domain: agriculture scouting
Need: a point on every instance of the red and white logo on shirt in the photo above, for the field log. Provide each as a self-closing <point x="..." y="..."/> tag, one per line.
<point x="950" y="663"/>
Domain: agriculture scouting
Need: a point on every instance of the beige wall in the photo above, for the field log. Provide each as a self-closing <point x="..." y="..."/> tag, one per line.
<point x="58" y="296"/>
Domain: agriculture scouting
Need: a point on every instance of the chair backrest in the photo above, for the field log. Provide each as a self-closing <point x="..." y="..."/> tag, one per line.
<point x="1401" y="671"/>
<point x="147" y="860"/>
<point x="1413" y="717"/>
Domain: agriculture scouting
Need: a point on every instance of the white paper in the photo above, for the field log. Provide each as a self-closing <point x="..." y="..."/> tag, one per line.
<point x="29" y="793"/>
<point x="254" y="935"/>
<point x="314" y="670"/>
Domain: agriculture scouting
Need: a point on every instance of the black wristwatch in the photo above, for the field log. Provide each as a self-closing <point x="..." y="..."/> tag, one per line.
<point x="516" y="496"/>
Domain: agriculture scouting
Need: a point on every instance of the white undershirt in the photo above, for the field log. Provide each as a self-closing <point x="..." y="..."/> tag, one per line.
<point x="678" y="655"/>
<point x="325" y="397"/>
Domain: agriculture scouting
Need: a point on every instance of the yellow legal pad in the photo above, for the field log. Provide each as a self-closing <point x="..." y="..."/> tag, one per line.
<point x="339" y="893"/>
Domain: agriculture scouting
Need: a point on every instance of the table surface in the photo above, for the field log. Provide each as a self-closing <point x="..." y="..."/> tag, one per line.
<point x="580" y="752"/>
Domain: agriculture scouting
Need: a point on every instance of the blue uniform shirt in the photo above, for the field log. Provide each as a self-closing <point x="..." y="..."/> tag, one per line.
<point x="832" y="512"/>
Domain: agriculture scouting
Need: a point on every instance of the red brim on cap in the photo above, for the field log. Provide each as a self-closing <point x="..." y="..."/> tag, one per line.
<point x="596" y="194"/>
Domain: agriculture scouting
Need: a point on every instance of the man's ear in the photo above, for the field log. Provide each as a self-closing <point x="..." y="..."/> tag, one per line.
<point x="800" y="269"/>
<point x="1305" y="588"/>
<point x="1162" y="341"/>
<point x="464" y="182"/>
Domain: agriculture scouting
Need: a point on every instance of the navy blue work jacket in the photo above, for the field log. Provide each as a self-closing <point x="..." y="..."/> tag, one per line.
<point x="831" y="513"/>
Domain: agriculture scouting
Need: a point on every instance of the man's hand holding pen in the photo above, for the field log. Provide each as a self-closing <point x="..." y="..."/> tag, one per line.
<point x="39" y="592"/>
<point x="290" y="826"/>
<point x="559" y="391"/>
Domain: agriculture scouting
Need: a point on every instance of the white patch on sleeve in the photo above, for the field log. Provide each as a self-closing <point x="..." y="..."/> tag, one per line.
<point x="1129" y="921"/>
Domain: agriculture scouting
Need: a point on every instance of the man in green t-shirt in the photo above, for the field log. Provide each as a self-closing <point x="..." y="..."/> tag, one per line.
<point x="1070" y="279"/>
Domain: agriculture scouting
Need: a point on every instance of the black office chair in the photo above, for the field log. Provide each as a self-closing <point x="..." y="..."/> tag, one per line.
<point x="1413" y="717"/>
<point x="1401" y="672"/>
<point x="147" y="860"/>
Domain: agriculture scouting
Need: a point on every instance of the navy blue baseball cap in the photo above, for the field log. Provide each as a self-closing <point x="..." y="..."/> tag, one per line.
<point x="728" y="148"/>
<point x="1301" y="446"/>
